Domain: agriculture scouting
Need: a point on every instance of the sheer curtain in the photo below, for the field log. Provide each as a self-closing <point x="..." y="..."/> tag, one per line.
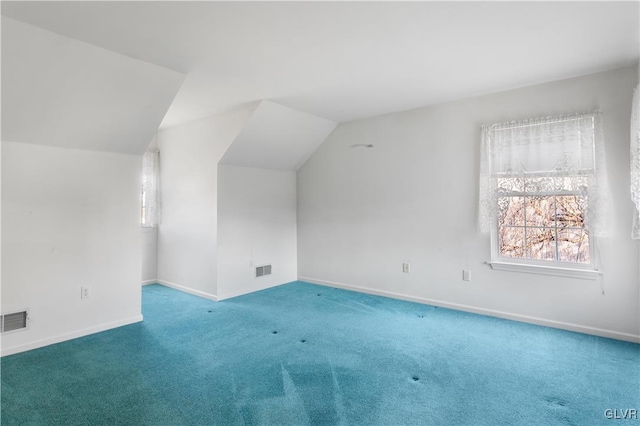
<point x="543" y="155"/>
<point x="635" y="162"/>
<point x="150" y="189"/>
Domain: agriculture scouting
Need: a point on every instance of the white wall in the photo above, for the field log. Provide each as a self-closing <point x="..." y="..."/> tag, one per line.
<point x="256" y="226"/>
<point x="187" y="253"/>
<point x="70" y="218"/>
<point x="413" y="198"/>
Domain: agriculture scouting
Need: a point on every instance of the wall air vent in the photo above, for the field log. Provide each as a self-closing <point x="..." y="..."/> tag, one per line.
<point x="263" y="270"/>
<point x="13" y="321"/>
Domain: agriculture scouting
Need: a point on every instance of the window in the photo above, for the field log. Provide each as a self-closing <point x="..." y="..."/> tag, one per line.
<point x="543" y="193"/>
<point x="149" y="212"/>
<point x="543" y="225"/>
<point x="635" y="162"/>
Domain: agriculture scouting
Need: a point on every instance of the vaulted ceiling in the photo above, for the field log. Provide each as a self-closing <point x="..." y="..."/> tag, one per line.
<point x="58" y="91"/>
<point x="277" y="137"/>
<point x="336" y="60"/>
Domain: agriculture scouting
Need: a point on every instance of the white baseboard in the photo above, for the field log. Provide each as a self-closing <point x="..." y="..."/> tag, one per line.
<point x="251" y="290"/>
<point x="147" y="282"/>
<point x="187" y="290"/>
<point x="69" y="336"/>
<point x="482" y="311"/>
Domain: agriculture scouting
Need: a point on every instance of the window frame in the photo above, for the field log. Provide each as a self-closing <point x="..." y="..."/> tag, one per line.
<point x="149" y="191"/>
<point x="597" y="172"/>
<point x="144" y="205"/>
<point x="545" y="267"/>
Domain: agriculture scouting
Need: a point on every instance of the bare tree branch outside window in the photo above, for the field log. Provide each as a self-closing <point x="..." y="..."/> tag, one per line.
<point x="544" y="226"/>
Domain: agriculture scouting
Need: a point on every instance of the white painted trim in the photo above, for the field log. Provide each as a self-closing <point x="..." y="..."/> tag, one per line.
<point x="187" y="290"/>
<point x="482" y="311"/>
<point x="585" y="274"/>
<point x="70" y="336"/>
<point x="253" y="290"/>
<point x="147" y="282"/>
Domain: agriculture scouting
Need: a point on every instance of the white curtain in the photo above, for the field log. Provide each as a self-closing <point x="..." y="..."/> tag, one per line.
<point x="635" y="162"/>
<point x="551" y="154"/>
<point x="150" y="189"/>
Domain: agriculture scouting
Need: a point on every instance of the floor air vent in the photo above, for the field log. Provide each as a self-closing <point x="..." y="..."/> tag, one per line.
<point x="13" y="321"/>
<point x="263" y="270"/>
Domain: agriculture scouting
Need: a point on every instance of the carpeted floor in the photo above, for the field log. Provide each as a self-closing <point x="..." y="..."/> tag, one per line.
<point x="305" y="354"/>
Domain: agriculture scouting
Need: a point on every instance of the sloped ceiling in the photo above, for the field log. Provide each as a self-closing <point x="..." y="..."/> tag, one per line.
<point x="344" y="60"/>
<point x="277" y="137"/>
<point x="61" y="92"/>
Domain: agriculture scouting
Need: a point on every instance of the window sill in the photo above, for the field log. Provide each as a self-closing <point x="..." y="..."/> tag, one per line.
<point x="585" y="274"/>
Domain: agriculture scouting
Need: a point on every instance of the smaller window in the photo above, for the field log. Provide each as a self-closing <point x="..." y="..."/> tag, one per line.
<point x="149" y="203"/>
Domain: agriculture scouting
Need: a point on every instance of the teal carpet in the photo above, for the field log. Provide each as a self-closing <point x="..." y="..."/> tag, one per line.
<point x="305" y="354"/>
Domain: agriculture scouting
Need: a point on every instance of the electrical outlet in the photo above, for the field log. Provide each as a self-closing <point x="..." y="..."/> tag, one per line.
<point x="406" y="268"/>
<point x="84" y="292"/>
<point x="466" y="275"/>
